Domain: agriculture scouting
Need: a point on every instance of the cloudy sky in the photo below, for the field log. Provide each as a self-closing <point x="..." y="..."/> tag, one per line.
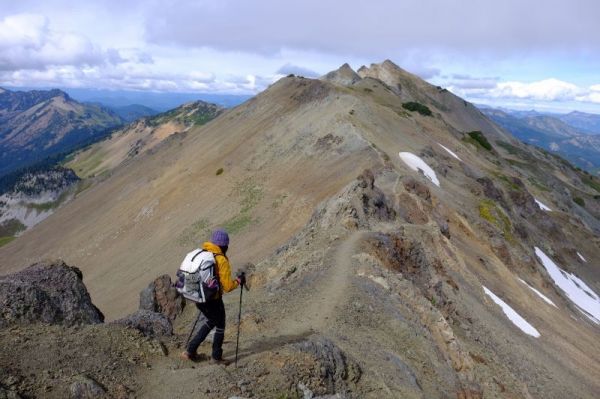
<point x="542" y="54"/>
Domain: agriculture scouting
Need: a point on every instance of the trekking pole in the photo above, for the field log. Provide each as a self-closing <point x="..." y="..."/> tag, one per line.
<point x="193" y="329"/>
<point x="237" y="342"/>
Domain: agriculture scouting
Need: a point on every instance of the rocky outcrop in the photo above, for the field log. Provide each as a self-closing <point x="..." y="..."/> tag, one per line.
<point x="491" y="191"/>
<point x="522" y="200"/>
<point x="336" y="368"/>
<point x="160" y="304"/>
<point x="47" y="292"/>
<point x="358" y="205"/>
<point x="161" y="297"/>
<point x="151" y="324"/>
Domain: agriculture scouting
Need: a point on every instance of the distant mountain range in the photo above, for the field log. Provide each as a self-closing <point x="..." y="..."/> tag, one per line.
<point x="575" y="136"/>
<point x="586" y="123"/>
<point x="38" y="124"/>
<point x="158" y="101"/>
<point x="132" y="112"/>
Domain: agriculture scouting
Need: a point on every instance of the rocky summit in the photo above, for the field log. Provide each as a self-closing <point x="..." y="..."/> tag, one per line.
<point x="397" y="242"/>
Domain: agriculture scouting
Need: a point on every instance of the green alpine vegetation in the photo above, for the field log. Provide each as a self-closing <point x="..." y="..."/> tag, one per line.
<point x="417" y="107"/>
<point x="477" y="138"/>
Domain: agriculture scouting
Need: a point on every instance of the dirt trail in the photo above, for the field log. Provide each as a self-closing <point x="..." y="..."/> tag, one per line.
<point x="310" y="313"/>
<point x="318" y="309"/>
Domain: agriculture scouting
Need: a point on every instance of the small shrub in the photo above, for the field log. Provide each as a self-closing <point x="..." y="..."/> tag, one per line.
<point x="219" y="171"/>
<point x="579" y="201"/>
<point x="367" y="90"/>
<point x="417" y="107"/>
<point x="480" y="139"/>
<point x="351" y="112"/>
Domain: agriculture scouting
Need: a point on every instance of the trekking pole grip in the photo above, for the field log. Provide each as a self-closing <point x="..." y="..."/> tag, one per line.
<point x="242" y="277"/>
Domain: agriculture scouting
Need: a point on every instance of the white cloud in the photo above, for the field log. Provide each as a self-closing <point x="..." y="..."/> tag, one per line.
<point x="25" y="30"/>
<point x="544" y="90"/>
<point x="28" y="42"/>
<point x="592" y="96"/>
<point x="540" y="94"/>
<point x="128" y="76"/>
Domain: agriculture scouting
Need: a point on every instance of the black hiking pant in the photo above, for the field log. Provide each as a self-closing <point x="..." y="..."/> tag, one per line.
<point x="214" y="313"/>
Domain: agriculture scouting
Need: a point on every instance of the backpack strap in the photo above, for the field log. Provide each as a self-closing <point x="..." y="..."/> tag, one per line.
<point x="194" y="257"/>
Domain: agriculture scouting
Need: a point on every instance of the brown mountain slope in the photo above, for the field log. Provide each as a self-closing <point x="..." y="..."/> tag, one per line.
<point x="385" y="264"/>
<point x="139" y="137"/>
<point x="137" y="223"/>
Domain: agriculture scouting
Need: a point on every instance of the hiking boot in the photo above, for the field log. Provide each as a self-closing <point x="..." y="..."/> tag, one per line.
<point x="194" y="357"/>
<point x="188" y="356"/>
<point x="221" y="361"/>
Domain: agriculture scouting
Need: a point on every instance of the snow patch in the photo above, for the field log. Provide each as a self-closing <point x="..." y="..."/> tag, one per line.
<point x="417" y="164"/>
<point x="449" y="151"/>
<point x="586" y="300"/>
<point x="542" y="206"/>
<point x="581" y="257"/>
<point x="513" y="315"/>
<point x="544" y="297"/>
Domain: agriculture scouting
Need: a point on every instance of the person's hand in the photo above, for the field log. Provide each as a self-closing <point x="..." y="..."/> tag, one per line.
<point x="241" y="279"/>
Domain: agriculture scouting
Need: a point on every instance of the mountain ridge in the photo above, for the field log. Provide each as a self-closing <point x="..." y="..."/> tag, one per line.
<point x="380" y="260"/>
<point x="40" y="124"/>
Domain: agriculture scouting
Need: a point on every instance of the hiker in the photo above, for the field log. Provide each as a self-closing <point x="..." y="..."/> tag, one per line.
<point x="214" y="309"/>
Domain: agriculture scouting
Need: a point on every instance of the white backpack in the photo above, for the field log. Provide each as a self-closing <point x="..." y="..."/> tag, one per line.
<point x="196" y="278"/>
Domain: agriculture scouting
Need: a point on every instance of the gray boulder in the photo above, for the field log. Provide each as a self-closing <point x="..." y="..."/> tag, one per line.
<point x="85" y="387"/>
<point x="47" y="292"/>
<point x="151" y="324"/>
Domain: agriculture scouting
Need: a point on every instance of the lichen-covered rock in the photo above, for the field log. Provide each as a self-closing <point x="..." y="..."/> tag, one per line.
<point x="149" y="323"/>
<point x="160" y="296"/>
<point x="47" y="292"/>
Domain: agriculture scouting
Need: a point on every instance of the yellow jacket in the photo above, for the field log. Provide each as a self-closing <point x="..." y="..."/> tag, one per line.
<point x="223" y="268"/>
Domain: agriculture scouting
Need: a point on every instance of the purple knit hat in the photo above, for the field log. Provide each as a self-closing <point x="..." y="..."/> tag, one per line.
<point x="220" y="237"/>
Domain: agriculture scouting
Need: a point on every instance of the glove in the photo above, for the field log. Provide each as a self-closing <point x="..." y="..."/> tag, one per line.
<point x="241" y="279"/>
